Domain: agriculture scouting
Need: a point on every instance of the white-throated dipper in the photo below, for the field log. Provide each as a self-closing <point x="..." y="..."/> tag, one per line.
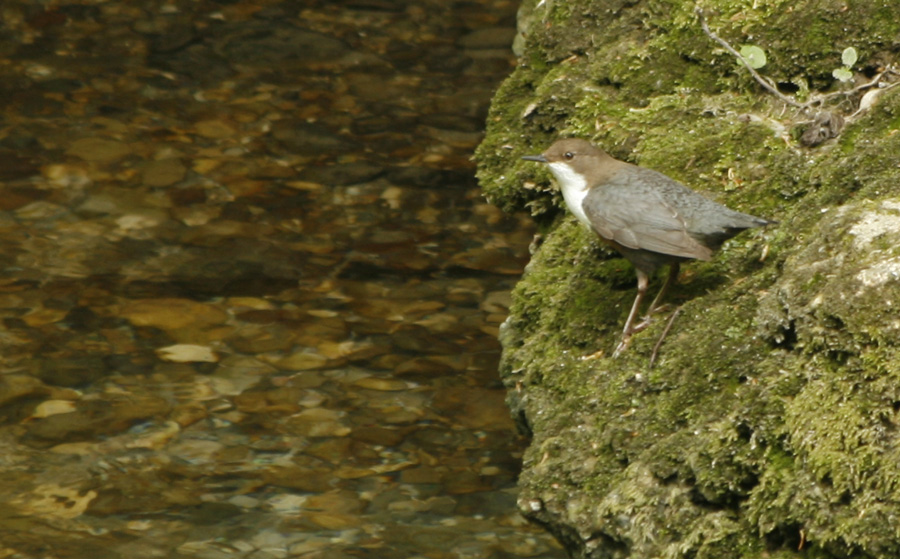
<point x="651" y="219"/>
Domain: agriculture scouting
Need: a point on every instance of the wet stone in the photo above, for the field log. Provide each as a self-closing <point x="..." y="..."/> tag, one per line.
<point x="15" y="386"/>
<point x="70" y="370"/>
<point x="424" y="474"/>
<point x="215" y="129"/>
<point x="332" y="450"/>
<point x="53" y="407"/>
<point x="17" y="167"/>
<point x="284" y="399"/>
<point x="303" y="360"/>
<point x="307" y="479"/>
<point x="188" y="414"/>
<point x="99" y="150"/>
<point x="309" y="139"/>
<point x="489" y="38"/>
<point x="187" y="353"/>
<point x="378" y="435"/>
<point x="305" y="379"/>
<point x="96" y="417"/>
<point x="279" y="44"/>
<point x="163" y="173"/>
<point x="18" y="197"/>
<point x="253" y="339"/>
<point x="172" y="314"/>
<point x="421" y="366"/>
<point x="452" y="122"/>
<point x="316" y="422"/>
<point x="384" y="385"/>
<point x="341" y="174"/>
<point x="420" y="340"/>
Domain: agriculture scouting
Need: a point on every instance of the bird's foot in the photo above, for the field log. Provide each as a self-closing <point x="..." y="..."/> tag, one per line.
<point x="661" y="308"/>
<point x="648" y="318"/>
<point x="623" y="345"/>
<point x="642" y="325"/>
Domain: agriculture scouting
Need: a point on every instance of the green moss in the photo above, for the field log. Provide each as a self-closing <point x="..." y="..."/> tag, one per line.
<point x="769" y="425"/>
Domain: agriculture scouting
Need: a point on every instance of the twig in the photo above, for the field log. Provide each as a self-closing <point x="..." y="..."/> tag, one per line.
<point x="849" y="92"/>
<point x="762" y="81"/>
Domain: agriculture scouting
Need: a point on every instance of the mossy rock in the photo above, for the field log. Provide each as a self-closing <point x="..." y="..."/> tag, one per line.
<point x="769" y="425"/>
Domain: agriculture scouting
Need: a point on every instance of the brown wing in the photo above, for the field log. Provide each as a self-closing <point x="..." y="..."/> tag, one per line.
<point x="633" y="209"/>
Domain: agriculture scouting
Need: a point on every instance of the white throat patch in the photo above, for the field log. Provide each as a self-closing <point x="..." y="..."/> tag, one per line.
<point x="574" y="189"/>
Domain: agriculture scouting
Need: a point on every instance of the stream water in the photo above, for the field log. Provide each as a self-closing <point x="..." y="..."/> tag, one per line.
<point x="250" y="291"/>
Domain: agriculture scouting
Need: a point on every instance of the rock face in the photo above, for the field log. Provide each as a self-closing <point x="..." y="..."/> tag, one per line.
<point x="769" y="425"/>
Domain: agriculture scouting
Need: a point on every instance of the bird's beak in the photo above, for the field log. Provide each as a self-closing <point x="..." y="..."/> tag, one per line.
<point x="538" y="158"/>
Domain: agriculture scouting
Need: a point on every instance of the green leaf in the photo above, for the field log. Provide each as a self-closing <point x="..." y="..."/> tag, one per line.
<point x="843" y="74"/>
<point x="848" y="57"/>
<point x="754" y="56"/>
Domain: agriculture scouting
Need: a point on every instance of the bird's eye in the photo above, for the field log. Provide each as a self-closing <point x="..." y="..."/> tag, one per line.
<point x="568" y="155"/>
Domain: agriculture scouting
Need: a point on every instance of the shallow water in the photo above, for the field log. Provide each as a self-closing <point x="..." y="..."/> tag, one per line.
<point x="250" y="291"/>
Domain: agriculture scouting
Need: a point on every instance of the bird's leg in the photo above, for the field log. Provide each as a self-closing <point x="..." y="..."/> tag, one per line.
<point x="663" y="337"/>
<point x="643" y="281"/>
<point x="674" y="268"/>
<point x="654" y="306"/>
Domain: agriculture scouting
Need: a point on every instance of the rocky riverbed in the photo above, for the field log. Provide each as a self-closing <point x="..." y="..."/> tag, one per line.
<point x="250" y="291"/>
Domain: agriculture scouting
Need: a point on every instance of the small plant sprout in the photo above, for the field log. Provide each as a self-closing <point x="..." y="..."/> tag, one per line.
<point x="848" y="58"/>
<point x="755" y="56"/>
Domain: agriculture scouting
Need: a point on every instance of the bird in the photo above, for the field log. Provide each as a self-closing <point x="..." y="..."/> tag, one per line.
<point x="649" y="218"/>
